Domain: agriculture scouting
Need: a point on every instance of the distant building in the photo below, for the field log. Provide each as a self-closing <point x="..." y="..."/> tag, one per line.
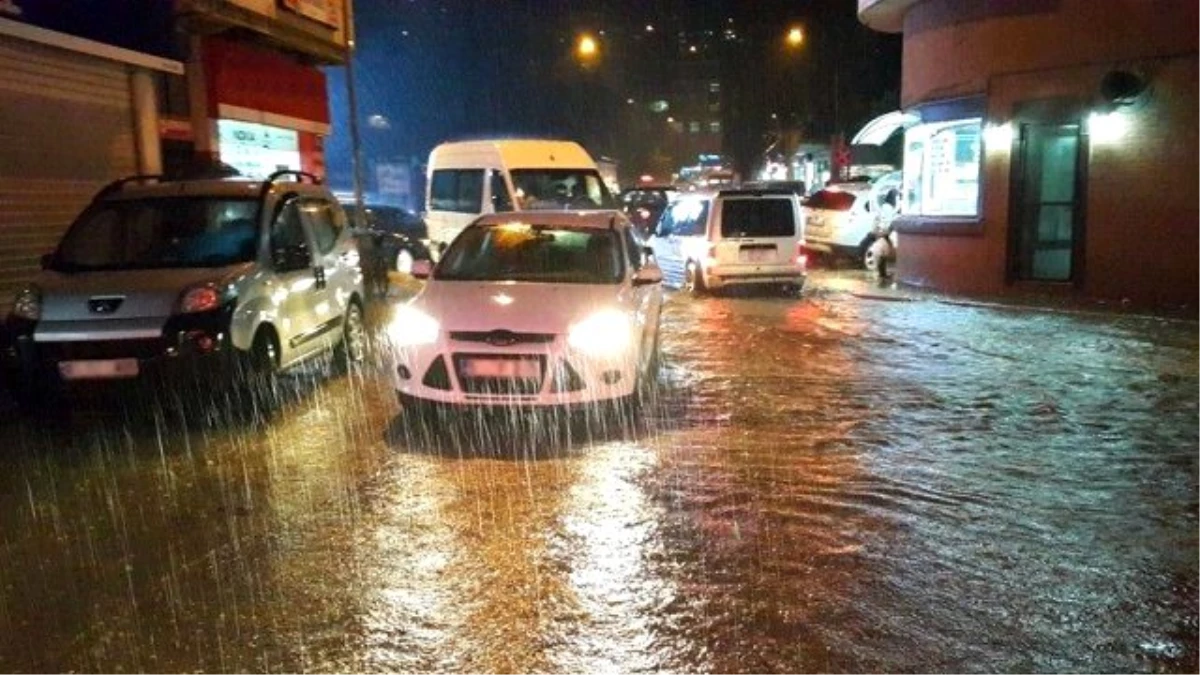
<point x="1051" y="146"/>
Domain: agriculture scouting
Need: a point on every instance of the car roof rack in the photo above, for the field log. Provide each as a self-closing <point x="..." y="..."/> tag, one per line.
<point x="120" y="183"/>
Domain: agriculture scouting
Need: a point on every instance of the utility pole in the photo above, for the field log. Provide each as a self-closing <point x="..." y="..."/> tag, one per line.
<point x="352" y="97"/>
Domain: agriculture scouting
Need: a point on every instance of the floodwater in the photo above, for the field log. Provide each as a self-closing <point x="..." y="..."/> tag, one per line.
<point x="825" y="484"/>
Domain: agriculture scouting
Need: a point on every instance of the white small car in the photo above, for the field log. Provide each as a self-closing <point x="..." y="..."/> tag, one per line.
<point x="841" y="219"/>
<point x="731" y="238"/>
<point x="204" y="276"/>
<point x="531" y="309"/>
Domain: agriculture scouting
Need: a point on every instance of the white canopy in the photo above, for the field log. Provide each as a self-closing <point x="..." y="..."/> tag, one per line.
<point x="880" y="129"/>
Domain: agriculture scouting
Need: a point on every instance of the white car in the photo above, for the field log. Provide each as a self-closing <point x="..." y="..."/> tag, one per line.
<point x="841" y="219"/>
<point x="201" y="276"/>
<point x="731" y="238"/>
<point x="531" y="309"/>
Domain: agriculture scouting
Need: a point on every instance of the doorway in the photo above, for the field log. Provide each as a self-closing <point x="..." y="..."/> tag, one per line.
<point x="1047" y="215"/>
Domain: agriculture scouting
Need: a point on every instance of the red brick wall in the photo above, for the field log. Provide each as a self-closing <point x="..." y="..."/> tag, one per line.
<point x="953" y="47"/>
<point x="1142" y="223"/>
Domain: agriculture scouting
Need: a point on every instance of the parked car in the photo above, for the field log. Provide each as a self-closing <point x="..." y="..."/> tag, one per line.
<point x="390" y="239"/>
<point x="731" y="238"/>
<point x="539" y="309"/>
<point x="209" y="276"/>
<point x="841" y="219"/>
<point x="643" y="205"/>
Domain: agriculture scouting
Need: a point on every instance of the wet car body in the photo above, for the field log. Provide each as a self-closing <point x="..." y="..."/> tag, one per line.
<point x="644" y="205"/>
<point x="391" y="231"/>
<point x="185" y="277"/>
<point x="527" y="341"/>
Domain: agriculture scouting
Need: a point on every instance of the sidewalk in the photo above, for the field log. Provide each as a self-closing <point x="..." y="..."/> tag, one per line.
<point x="864" y="285"/>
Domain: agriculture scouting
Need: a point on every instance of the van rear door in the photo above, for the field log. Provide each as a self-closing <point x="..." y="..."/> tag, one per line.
<point x="753" y="230"/>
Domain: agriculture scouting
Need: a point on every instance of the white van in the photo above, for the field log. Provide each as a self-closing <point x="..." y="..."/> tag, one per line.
<point x="470" y="178"/>
<point x="706" y="242"/>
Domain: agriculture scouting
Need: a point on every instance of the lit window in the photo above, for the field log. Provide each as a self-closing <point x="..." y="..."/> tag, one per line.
<point x="941" y="168"/>
<point x="714" y="87"/>
<point x="714" y="127"/>
<point x="694" y="127"/>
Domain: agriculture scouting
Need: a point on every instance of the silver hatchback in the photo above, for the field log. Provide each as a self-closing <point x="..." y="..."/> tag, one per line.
<point x="156" y="275"/>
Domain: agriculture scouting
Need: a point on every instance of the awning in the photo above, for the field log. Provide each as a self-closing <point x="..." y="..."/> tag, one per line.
<point x="880" y="129"/>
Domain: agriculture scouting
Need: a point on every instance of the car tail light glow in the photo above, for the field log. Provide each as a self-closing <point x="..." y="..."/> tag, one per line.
<point x="801" y="254"/>
<point x="199" y="299"/>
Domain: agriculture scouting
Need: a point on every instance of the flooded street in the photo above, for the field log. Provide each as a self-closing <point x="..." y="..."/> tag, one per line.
<point x="834" y="483"/>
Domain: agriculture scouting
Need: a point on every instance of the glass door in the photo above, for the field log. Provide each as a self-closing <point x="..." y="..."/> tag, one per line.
<point x="1047" y="217"/>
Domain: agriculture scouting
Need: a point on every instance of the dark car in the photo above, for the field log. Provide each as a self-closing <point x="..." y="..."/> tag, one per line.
<point x="390" y="238"/>
<point x="644" y="204"/>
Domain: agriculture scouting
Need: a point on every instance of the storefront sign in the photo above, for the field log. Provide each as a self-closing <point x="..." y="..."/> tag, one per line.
<point x="321" y="11"/>
<point x="257" y="150"/>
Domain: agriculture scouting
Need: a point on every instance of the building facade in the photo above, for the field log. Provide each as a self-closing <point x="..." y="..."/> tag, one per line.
<point x="78" y="107"/>
<point x="102" y="90"/>
<point x="257" y="99"/>
<point x="1050" y="146"/>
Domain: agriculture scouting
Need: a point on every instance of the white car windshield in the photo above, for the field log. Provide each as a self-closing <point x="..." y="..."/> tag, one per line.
<point x="162" y="232"/>
<point x="558" y="189"/>
<point x="533" y="253"/>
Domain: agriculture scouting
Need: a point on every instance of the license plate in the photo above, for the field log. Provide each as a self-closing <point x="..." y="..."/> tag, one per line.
<point x="755" y="255"/>
<point x="502" y="368"/>
<point x="106" y="369"/>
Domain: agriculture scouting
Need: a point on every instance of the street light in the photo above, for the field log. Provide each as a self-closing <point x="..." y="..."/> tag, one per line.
<point x="795" y="37"/>
<point x="586" y="47"/>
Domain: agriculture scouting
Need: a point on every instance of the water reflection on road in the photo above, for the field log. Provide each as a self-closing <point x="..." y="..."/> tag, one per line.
<point x="820" y="485"/>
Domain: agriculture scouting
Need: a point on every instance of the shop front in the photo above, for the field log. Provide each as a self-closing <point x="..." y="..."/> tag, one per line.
<point x="77" y="109"/>
<point x="268" y="112"/>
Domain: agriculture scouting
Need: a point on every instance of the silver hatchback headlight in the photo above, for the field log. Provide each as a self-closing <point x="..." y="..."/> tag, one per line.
<point x="28" y="303"/>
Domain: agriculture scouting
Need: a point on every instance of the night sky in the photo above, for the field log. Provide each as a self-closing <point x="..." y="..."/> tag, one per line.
<point x="430" y="71"/>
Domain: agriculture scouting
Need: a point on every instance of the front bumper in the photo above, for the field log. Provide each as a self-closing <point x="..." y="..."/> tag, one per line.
<point x="194" y="346"/>
<point x="440" y="373"/>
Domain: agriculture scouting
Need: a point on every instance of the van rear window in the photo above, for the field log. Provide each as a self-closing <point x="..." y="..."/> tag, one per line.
<point x="744" y="218"/>
<point x="458" y="190"/>
<point x="832" y="200"/>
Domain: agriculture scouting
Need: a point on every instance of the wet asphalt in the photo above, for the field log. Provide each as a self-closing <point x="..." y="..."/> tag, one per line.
<point x="840" y="482"/>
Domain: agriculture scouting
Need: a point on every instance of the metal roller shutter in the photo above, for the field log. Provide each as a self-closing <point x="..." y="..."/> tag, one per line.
<point x="66" y="128"/>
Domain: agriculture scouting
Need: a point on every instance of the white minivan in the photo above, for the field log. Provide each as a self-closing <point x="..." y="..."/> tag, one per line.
<point x="468" y="179"/>
<point x="732" y="238"/>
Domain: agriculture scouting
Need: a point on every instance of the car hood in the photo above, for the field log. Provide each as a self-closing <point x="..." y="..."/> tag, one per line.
<point x="142" y="293"/>
<point x="517" y="307"/>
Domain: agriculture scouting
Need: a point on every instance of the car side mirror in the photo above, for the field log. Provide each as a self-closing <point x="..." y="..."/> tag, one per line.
<point x="46" y="260"/>
<point x="422" y="269"/>
<point x="648" y="275"/>
<point x="291" y="258"/>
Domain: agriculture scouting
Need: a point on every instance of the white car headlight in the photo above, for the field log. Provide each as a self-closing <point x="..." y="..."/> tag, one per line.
<point x="410" y="327"/>
<point x="605" y="333"/>
<point x="28" y="303"/>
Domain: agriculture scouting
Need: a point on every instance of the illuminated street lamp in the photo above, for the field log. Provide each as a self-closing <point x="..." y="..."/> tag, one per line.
<point x="795" y="37"/>
<point x="586" y="47"/>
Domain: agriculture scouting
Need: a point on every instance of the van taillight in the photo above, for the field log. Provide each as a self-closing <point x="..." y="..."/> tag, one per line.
<point x="712" y="252"/>
<point x="801" y="254"/>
